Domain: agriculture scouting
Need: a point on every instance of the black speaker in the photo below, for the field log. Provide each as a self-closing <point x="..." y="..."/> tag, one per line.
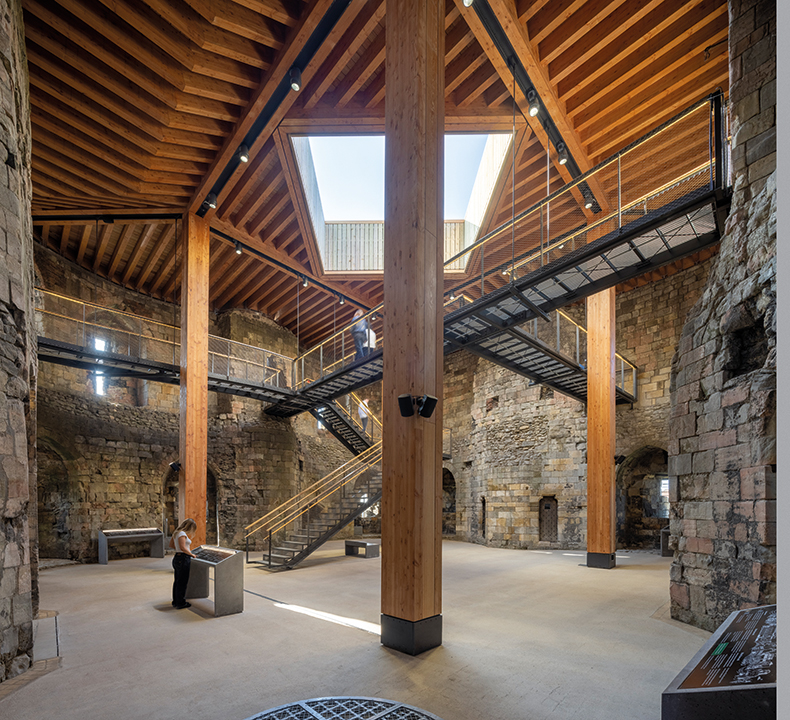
<point x="406" y="404"/>
<point x="426" y="405"/>
<point x="176" y="466"/>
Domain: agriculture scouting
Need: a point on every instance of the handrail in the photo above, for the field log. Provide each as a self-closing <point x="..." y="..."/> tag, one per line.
<point x="307" y="498"/>
<point x="629" y="183"/>
<point x="256" y="360"/>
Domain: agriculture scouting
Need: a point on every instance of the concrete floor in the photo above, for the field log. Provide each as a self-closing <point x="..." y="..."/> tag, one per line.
<point x="527" y="636"/>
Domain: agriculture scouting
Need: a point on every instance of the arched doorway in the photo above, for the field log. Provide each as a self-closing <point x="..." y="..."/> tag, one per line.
<point x="170" y="505"/>
<point x="642" y="498"/>
<point x="59" y="500"/>
<point x="448" y="502"/>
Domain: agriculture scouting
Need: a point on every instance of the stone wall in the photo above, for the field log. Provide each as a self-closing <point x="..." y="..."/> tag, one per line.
<point x="106" y="458"/>
<point x="17" y="351"/>
<point x="517" y="447"/>
<point x="723" y="442"/>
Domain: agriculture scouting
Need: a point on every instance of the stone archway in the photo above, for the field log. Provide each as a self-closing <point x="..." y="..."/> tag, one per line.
<point x="448" y="502"/>
<point x="642" y="498"/>
<point x="170" y="504"/>
<point x="60" y="532"/>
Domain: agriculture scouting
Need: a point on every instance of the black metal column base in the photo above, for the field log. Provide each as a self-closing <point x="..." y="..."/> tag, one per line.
<point x="601" y="560"/>
<point x="411" y="637"/>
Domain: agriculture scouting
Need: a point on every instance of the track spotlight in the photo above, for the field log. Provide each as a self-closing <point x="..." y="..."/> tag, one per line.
<point x="238" y="248"/>
<point x="175" y="466"/>
<point x="562" y="153"/>
<point x="211" y="201"/>
<point x="342" y="300"/>
<point x="452" y="294"/>
<point x="468" y="3"/>
<point x="295" y="77"/>
<point x="534" y="105"/>
<point x="588" y="204"/>
<point x="305" y="282"/>
<point x="244" y="153"/>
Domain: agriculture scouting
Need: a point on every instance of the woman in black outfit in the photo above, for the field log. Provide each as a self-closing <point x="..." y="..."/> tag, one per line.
<point x="182" y="539"/>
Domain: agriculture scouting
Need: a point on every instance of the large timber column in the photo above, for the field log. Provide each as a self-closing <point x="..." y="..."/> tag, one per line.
<point x="600" y="430"/>
<point x="194" y="374"/>
<point x="411" y="571"/>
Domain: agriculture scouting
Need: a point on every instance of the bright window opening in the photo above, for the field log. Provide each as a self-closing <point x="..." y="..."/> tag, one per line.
<point x="343" y="184"/>
<point x="99" y="380"/>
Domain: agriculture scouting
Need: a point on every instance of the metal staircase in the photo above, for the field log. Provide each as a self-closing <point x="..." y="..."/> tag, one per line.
<point x="299" y="526"/>
<point x="341" y="418"/>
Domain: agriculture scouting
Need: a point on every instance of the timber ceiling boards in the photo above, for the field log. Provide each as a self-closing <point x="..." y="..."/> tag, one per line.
<point x="138" y="107"/>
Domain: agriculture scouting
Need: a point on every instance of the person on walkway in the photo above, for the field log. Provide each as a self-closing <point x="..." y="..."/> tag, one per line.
<point x="363" y="414"/>
<point x="182" y="540"/>
<point x="359" y="332"/>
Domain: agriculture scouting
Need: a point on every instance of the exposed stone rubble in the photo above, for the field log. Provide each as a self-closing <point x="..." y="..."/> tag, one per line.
<point x="17" y="352"/>
<point x="723" y="442"/>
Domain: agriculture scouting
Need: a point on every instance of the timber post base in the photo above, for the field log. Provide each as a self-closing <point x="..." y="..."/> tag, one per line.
<point x="411" y="636"/>
<point x="601" y="560"/>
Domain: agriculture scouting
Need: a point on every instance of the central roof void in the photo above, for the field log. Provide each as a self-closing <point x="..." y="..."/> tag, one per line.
<point x="342" y="181"/>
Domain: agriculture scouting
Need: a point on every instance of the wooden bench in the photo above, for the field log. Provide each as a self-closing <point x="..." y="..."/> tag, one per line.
<point x="354" y="546"/>
<point x="153" y="535"/>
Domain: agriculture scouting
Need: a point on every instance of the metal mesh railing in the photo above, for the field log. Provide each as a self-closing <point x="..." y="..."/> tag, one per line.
<point x="653" y="172"/>
<point x="683" y="155"/>
<point x="102" y="330"/>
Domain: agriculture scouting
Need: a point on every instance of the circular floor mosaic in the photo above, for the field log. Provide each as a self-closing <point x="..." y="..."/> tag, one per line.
<point x="345" y="708"/>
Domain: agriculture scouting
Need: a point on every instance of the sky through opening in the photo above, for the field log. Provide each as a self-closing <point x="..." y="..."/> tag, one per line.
<point x="350" y="174"/>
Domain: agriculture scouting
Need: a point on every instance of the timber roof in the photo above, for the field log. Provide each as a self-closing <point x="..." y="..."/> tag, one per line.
<point x="138" y="108"/>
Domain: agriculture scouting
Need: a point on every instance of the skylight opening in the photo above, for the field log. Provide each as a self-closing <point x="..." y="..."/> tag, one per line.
<point x="343" y="184"/>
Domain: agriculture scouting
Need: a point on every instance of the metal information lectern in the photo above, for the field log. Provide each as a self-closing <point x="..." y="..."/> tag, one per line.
<point x="228" y="578"/>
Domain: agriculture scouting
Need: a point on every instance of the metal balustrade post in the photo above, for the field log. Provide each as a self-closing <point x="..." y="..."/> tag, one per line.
<point x="83" y="326"/>
<point x="270" y="548"/>
<point x="577" y="345"/>
<point x="247" y="548"/>
<point x="482" y="270"/>
<point x="619" y="194"/>
<point x="622" y="373"/>
<point x="321" y="360"/>
<point x="558" y="330"/>
<point x="718" y="141"/>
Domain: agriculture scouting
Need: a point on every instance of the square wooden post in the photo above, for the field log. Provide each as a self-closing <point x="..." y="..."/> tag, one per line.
<point x="601" y="429"/>
<point x="411" y="571"/>
<point x="194" y="374"/>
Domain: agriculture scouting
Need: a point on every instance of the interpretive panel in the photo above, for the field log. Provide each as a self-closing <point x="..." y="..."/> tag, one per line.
<point x="732" y="676"/>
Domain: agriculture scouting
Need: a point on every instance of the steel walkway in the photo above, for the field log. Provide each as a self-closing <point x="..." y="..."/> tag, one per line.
<point x="493" y="327"/>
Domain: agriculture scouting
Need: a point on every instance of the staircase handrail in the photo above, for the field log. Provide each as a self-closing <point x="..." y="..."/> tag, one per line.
<point x="335" y="479"/>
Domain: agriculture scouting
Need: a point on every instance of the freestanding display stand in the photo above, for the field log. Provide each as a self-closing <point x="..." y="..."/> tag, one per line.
<point x="153" y="535"/>
<point x="228" y="578"/>
<point x="733" y="676"/>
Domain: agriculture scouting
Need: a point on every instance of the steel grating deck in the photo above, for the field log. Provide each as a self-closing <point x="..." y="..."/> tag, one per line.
<point x="488" y="327"/>
<point x="345" y="708"/>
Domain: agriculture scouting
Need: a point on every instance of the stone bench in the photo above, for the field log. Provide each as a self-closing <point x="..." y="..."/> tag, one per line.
<point x="354" y="546"/>
<point x="153" y="535"/>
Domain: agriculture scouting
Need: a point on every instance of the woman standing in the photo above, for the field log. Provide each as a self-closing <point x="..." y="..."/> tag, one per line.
<point x="182" y="539"/>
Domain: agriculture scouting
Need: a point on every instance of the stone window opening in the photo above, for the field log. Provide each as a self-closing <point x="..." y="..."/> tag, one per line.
<point x="99" y="382"/>
<point x="448" y="503"/>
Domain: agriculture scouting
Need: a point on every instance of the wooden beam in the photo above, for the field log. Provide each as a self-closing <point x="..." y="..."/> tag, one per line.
<point x="193" y="451"/>
<point x="601" y="429"/>
<point x="413" y="362"/>
<point x="166" y="232"/>
<point x="368" y="16"/>
<point x="237" y="184"/>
